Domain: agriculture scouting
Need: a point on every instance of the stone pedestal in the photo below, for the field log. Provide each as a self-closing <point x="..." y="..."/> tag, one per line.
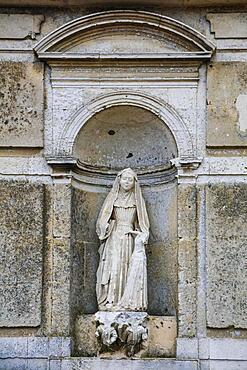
<point x="154" y="336"/>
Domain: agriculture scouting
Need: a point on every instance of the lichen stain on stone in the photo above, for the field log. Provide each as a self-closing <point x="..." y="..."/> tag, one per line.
<point x="226" y="255"/>
<point x="225" y="126"/>
<point x="16" y="103"/>
<point x="230" y="202"/>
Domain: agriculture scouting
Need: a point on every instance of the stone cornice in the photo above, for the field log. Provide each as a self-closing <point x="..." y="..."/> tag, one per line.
<point x="83" y="3"/>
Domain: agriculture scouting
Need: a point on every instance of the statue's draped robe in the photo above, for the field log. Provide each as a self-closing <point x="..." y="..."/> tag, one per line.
<point x="122" y="275"/>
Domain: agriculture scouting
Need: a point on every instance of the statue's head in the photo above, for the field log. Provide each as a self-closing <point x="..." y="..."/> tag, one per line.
<point x="127" y="179"/>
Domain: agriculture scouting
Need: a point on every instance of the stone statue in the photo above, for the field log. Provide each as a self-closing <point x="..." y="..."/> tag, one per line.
<point x="123" y="228"/>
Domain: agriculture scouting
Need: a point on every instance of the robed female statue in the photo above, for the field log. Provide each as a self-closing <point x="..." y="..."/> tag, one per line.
<point x="123" y="229"/>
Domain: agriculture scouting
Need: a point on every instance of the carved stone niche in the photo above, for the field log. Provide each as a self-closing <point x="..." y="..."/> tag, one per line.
<point x="121" y="137"/>
<point x="123" y="91"/>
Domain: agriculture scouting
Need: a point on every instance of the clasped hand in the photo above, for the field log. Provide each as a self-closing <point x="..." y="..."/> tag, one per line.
<point x="140" y="236"/>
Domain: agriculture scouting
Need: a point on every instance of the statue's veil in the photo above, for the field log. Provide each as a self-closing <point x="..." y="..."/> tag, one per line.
<point x="107" y="208"/>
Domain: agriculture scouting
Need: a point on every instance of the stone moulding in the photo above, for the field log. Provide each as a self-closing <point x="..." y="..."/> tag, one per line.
<point x="190" y="43"/>
<point x="62" y="157"/>
<point x="72" y="168"/>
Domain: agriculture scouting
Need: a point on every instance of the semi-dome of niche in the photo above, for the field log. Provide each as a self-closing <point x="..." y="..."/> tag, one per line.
<point x="125" y="136"/>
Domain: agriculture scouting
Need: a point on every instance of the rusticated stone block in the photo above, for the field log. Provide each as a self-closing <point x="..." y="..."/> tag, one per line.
<point x="226" y="235"/>
<point x="21" y="244"/>
<point x="21" y="104"/>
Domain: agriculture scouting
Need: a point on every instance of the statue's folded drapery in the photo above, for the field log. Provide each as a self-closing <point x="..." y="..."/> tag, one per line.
<point x="123" y="228"/>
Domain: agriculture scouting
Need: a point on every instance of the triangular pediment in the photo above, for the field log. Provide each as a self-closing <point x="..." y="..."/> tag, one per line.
<point x="123" y="33"/>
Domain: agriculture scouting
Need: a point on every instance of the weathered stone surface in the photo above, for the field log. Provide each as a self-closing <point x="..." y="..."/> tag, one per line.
<point x="38" y="347"/>
<point x="228" y="25"/>
<point x="226" y="255"/>
<point x="212" y="349"/>
<point x="56" y="317"/>
<point x="13" y="347"/>
<point x="225" y="92"/>
<point x="21" y="104"/>
<point x="84" y="333"/>
<point x="23" y="364"/>
<point x="60" y="319"/>
<point x="97" y="364"/>
<point x="21" y="243"/>
<point x="15" y="364"/>
<point x="226" y="365"/>
<point x="85" y="245"/>
<point x="19" y="26"/>
<point x="228" y="349"/>
<point x="187" y="348"/>
<point x="48" y="262"/>
<point x="61" y="210"/>
<point x="162" y="248"/>
<point x="187" y="261"/>
<point x="162" y="333"/>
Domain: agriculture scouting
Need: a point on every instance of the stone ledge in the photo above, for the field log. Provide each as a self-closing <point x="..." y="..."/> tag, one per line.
<point x="34" y="347"/>
<point x="96" y="364"/>
<point x="99" y="364"/>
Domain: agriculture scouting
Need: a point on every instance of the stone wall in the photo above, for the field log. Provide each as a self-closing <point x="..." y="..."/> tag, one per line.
<point x="196" y="201"/>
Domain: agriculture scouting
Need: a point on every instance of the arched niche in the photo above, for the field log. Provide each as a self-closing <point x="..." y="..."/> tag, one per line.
<point x="64" y="145"/>
<point x="125" y="136"/>
<point x="102" y="148"/>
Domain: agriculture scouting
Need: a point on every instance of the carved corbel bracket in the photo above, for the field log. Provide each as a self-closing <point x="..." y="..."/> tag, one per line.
<point x="62" y="166"/>
<point x="187" y="163"/>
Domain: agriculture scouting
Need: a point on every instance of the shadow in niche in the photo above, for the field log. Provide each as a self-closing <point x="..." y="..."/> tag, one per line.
<point x="141" y="141"/>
